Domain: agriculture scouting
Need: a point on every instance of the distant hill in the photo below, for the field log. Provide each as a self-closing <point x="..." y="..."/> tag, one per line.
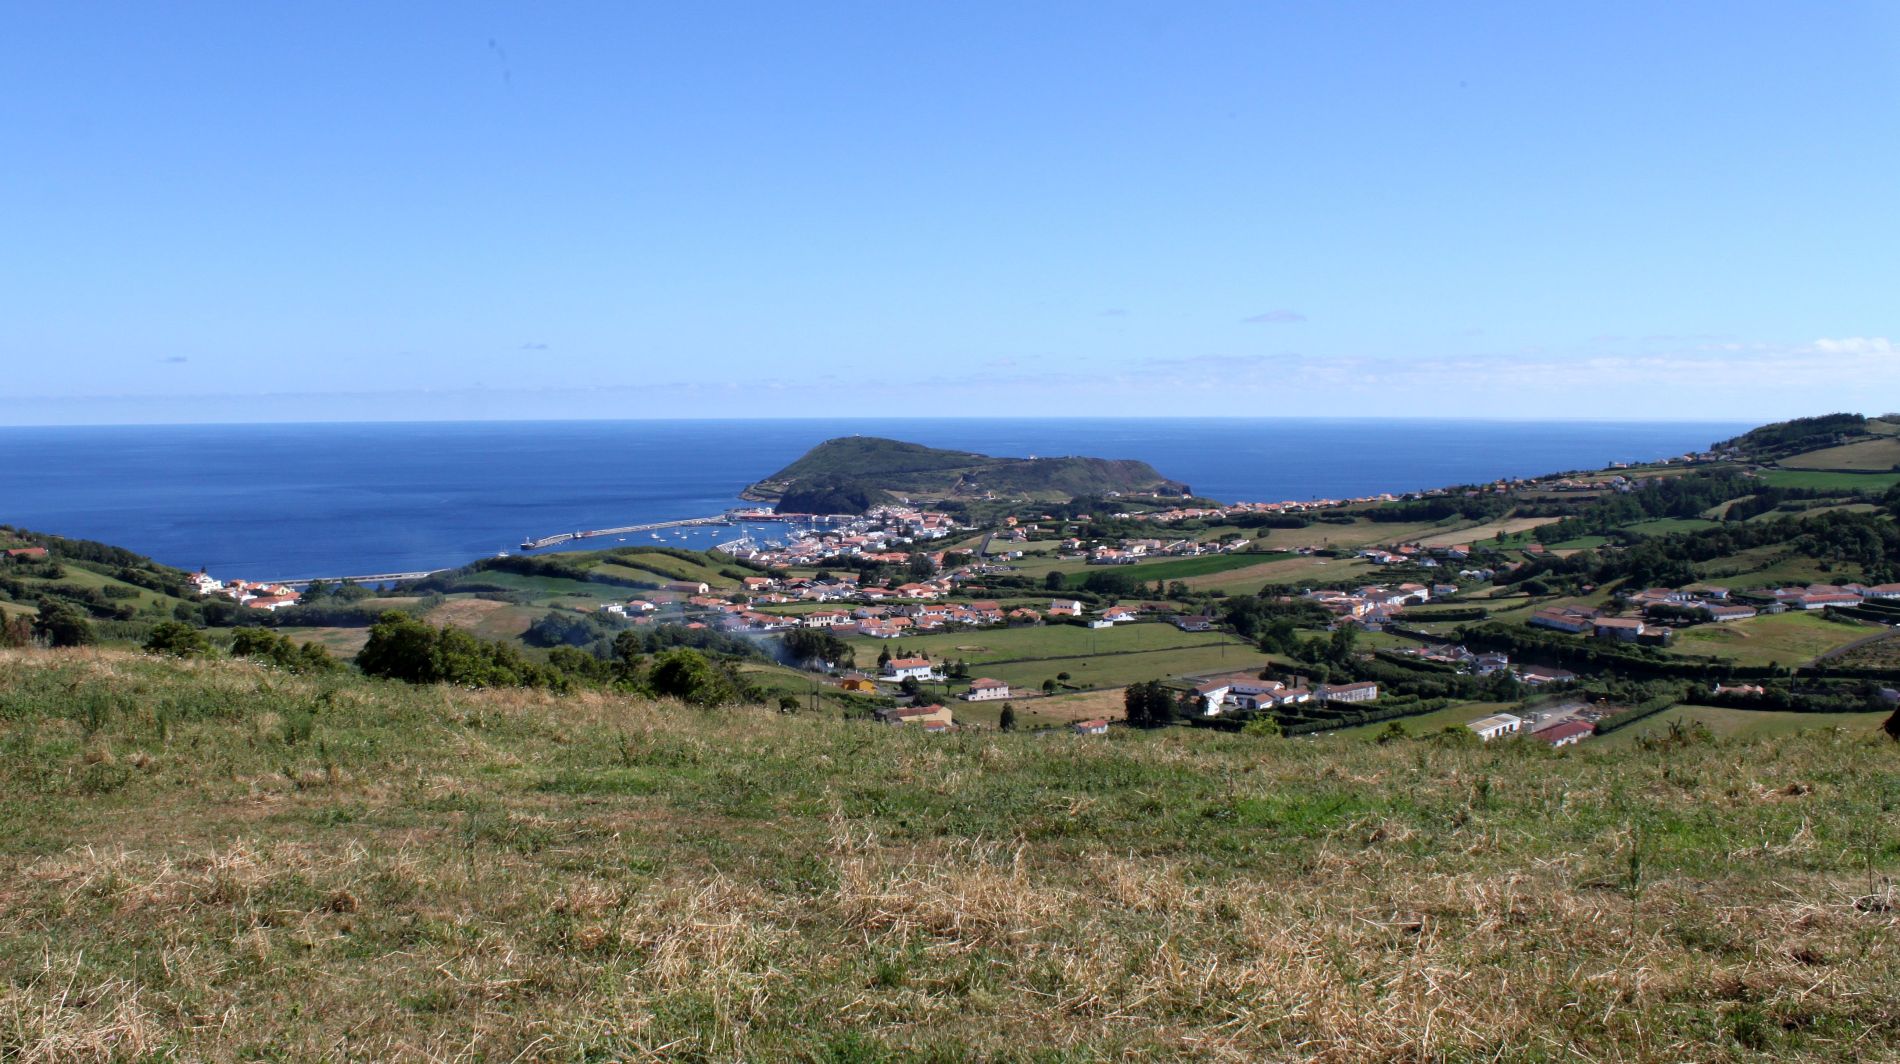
<point x="1784" y="438"/>
<point x="857" y="472"/>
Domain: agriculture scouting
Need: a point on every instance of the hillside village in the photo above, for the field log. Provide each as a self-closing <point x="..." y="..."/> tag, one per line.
<point x="1535" y="599"/>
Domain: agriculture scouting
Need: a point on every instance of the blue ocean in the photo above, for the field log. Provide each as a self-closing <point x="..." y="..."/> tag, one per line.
<point x="298" y="501"/>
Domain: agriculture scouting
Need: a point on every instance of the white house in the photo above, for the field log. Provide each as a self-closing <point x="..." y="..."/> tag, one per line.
<point x="1489" y="728"/>
<point x="985" y="690"/>
<point x="907" y="668"/>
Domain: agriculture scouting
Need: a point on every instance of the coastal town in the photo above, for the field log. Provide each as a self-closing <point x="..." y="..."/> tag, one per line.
<point x="1476" y="608"/>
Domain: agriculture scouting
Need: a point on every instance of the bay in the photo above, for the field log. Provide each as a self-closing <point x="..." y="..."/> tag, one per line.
<point x="303" y="500"/>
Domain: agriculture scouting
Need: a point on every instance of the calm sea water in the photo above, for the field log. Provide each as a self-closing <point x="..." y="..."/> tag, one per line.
<point x="291" y="501"/>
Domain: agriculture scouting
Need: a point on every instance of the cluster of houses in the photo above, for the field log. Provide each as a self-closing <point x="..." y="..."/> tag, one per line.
<point x="1375" y="604"/>
<point x="1579" y="620"/>
<point x="1716" y="604"/>
<point x="878" y="536"/>
<point x="1413" y="554"/>
<point x="1566" y="732"/>
<point x="1712" y="603"/>
<point x="1220" y="513"/>
<point x="1130" y="551"/>
<point x="1821" y="596"/>
<point x="877" y="612"/>
<point x="244" y="592"/>
<point x="1489" y="663"/>
<point x="1247" y="693"/>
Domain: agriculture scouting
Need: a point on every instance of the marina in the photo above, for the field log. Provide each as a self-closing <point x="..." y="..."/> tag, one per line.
<point x="654" y="528"/>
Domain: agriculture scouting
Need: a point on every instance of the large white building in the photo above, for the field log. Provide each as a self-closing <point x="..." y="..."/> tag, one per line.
<point x="1492" y="727"/>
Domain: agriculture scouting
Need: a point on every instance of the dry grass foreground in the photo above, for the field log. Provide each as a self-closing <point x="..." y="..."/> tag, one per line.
<point x="213" y="862"/>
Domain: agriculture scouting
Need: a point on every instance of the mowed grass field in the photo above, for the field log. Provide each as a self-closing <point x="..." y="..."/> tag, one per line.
<point x="214" y="862"/>
<point x="1785" y="639"/>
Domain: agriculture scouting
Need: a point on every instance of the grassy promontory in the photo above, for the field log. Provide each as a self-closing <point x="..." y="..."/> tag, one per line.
<point x="212" y="861"/>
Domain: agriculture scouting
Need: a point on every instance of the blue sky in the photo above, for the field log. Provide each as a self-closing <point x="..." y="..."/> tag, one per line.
<point x="250" y="212"/>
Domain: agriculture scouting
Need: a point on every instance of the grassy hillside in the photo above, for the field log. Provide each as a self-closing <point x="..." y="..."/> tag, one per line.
<point x="214" y="862"/>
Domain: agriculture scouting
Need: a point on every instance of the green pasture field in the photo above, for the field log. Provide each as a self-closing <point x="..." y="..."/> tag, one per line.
<point x="145" y="599"/>
<point x="1870" y="483"/>
<point x="1881" y="454"/>
<point x="1665" y="526"/>
<point x="1769" y="567"/>
<point x="553" y="587"/>
<point x="1183" y="568"/>
<point x="1850" y="507"/>
<point x="981" y="645"/>
<point x="1120" y="670"/>
<point x="1286" y="572"/>
<point x="1742" y="723"/>
<point x="652" y="565"/>
<point x="1785" y="639"/>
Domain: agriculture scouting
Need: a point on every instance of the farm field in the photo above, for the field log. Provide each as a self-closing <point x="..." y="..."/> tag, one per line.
<point x="1825" y="481"/>
<point x="1120" y="670"/>
<point x="1184" y="568"/>
<point x="485" y="618"/>
<point x="78" y="576"/>
<point x="1881" y="454"/>
<point x="1361" y="533"/>
<point x="1767" y="567"/>
<point x="1785" y="639"/>
<point x="981" y="645"/>
<point x="552" y="588"/>
<point x="342" y="643"/>
<point x="1294" y="571"/>
<point x="1037" y="711"/>
<point x="1579" y="543"/>
<point x="1741" y="723"/>
<point x="1666" y="526"/>
<point x="1475" y="533"/>
<point x="1883" y="654"/>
